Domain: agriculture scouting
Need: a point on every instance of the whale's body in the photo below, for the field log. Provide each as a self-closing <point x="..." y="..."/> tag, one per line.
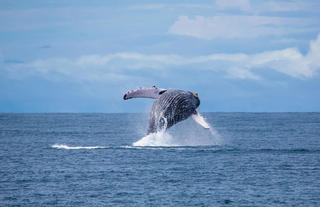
<point x="170" y="107"/>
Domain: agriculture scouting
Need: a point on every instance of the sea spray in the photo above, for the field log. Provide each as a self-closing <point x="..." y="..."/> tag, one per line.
<point x="160" y="138"/>
<point x="186" y="133"/>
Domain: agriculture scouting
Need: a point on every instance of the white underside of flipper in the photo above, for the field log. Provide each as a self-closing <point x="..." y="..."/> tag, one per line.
<point x="200" y="120"/>
<point x="152" y="92"/>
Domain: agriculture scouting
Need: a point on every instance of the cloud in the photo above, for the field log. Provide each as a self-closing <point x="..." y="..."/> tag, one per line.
<point x="240" y="73"/>
<point x="237" y="26"/>
<point x="288" y="6"/>
<point x="239" y="4"/>
<point x="128" y="66"/>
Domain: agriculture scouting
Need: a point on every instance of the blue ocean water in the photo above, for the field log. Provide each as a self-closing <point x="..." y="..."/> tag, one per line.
<point x="247" y="159"/>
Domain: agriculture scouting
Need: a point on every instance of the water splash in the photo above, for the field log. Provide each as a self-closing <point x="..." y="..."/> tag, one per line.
<point x="156" y="139"/>
<point x="187" y="133"/>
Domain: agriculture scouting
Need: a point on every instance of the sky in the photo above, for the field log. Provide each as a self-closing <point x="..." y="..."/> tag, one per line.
<point x="82" y="56"/>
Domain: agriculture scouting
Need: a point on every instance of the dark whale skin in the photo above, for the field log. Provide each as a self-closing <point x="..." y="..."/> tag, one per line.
<point x="170" y="108"/>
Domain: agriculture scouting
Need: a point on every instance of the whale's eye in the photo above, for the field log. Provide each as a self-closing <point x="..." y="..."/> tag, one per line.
<point x="195" y="95"/>
<point x="161" y="92"/>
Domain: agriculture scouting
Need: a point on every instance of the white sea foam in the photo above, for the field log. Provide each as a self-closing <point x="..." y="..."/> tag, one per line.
<point x="187" y="133"/>
<point x="142" y="147"/>
<point x="62" y="146"/>
<point x="156" y="139"/>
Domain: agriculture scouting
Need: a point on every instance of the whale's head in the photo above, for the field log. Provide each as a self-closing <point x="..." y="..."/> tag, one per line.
<point x="195" y="99"/>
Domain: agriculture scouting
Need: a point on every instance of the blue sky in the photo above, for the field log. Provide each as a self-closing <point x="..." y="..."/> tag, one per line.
<point x="82" y="56"/>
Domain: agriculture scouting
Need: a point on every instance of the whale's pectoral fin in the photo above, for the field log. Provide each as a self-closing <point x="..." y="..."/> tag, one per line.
<point x="152" y="92"/>
<point x="200" y="120"/>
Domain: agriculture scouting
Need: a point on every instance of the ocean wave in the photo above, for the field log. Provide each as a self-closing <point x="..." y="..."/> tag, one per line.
<point x="198" y="148"/>
<point x="62" y="146"/>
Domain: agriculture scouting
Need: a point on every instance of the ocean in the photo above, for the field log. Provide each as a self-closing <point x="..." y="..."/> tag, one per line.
<point x="245" y="159"/>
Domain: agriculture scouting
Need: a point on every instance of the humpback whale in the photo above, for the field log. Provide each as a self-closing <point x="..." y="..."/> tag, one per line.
<point x="170" y="107"/>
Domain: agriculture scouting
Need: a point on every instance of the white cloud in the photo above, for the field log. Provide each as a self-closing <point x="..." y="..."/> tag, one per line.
<point x="237" y="26"/>
<point x="288" y="6"/>
<point x="283" y="6"/>
<point x="238" y="4"/>
<point x="240" y="73"/>
<point x="118" y="66"/>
